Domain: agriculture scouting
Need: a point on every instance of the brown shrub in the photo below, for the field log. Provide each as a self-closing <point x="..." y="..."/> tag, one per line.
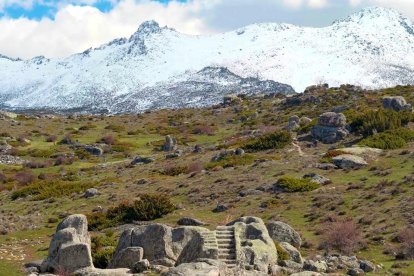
<point x="195" y="167"/>
<point x="343" y="236"/>
<point x="406" y="250"/>
<point x="204" y="129"/>
<point x="51" y="138"/>
<point x="64" y="160"/>
<point x="3" y="178"/>
<point x="37" y="165"/>
<point x="24" y="177"/>
<point x="109" y="140"/>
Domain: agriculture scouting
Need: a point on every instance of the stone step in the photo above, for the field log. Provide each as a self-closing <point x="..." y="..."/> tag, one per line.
<point x="226" y="240"/>
<point x="224" y="236"/>
<point x="227" y="256"/>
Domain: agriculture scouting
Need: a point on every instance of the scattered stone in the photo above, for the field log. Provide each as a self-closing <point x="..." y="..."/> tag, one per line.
<point x="141" y="266"/>
<point x="91" y="193"/>
<point x="175" y="154"/>
<point x="94" y="150"/>
<point x="142" y="181"/>
<point x="282" y="232"/>
<point x="293" y="123"/>
<point x="331" y="128"/>
<point x="170" y="144"/>
<point x="367" y="266"/>
<point x="239" y="151"/>
<point x="326" y="166"/>
<point x="11" y="160"/>
<point x="355" y="272"/>
<point x="190" y="222"/>
<point x="316" y="266"/>
<point x="250" y="192"/>
<point x="318" y="178"/>
<point x="231" y="100"/>
<point x="220" y="208"/>
<point x="142" y="160"/>
<point x="127" y="258"/>
<point x="304" y="121"/>
<point x="348" y="161"/>
<point x="397" y="103"/>
<point x="225" y="153"/>
<point x="198" y="149"/>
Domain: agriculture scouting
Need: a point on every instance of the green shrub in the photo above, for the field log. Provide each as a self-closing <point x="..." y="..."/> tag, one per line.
<point x="275" y="140"/>
<point x="41" y="153"/>
<point x="147" y="207"/>
<point x="87" y="127"/>
<point x="392" y="139"/>
<point x="81" y="153"/>
<point x="292" y="185"/>
<point x="51" y="188"/>
<point x="381" y="120"/>
<point x="103" y="248"/>
<point x="115" y="128"/>
<point x="231" y="161"/>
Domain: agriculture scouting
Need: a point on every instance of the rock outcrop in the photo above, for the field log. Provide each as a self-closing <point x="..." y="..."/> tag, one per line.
<point x="331" y="128"/>
<point x="70" y="248"/>
<point x="397" y="103"/>
<point x="255" y="249"/>
<point x="168" y="246"/>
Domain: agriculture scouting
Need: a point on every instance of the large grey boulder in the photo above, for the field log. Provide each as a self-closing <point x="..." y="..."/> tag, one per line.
<point x="127" y="257"/>
<point x="397" y="103"/>
<point x="168" y="246"/>
<point x="255" y="248"/>
<point x="70" y="247"/>
<point x="348" y="161"/>
<point x="331" y="128"/>
<point x="282" y="232"/>
<point x="317" y="178"/>
<point x="293" y="252"/>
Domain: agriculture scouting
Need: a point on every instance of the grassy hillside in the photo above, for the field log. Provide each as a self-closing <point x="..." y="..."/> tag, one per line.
<point x="378" y="198"/>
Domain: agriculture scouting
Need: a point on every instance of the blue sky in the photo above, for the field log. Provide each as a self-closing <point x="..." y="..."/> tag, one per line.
<point x="59" y="28"/>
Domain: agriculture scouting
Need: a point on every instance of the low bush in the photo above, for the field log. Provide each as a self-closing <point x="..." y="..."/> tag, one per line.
<point x="375" y="121"/>
<point x="115" y="128"/>
<point x="103" y="248"/>
<point x="81" y="153"/>
<point x="40" y="153"/>
<point x="406" y="238"/>
<point x="52" y="188"/>
<point x="24" y="177"/>
<point x="275" y="140"/>
<point x="172" y="170"/>
<point x="64" y="160"/>
<point x="51" y="138"/>
<point x="37" y="164"/>
<point x="87" y="127"/>
<point x="147" y="207"/>
<point x="392" y="139"/>
<point x="3" y="178"/>
<point x="343" y="236"/>
<point x="293" y="185"/>
<point x="108" y="139"/>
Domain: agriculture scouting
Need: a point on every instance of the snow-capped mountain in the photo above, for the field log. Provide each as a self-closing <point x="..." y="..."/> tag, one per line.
<point x="160" y="67"/>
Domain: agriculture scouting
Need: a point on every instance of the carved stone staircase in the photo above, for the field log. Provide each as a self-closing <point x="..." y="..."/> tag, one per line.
<point x="226" y="245"/>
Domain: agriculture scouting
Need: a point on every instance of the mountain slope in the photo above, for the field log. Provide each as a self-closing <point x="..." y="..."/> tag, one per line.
<point x="160" y="67"/>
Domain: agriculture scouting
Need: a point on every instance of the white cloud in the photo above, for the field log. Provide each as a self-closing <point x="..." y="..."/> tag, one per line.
<point x="77" y="28"/>
<point x="317" y="4"/>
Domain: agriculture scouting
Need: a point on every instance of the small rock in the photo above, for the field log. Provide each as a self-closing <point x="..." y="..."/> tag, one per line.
<point x="220" y="208"/>
<point x="397" y="103"/>
<point x="355" y="271"/>
<point x="250" y="192"/>
<point x="170" y="144"/>
<point x="142" y="160"/>
<point x="141" y="266"/>
<point x="190" y="222"/>
<point x="316" y="266"/>
<point x="293" y="252"/>
<point x="367" y="266"/>
<point x="318" y="178"/>
<point x="91" y="193"/>
<point x="347" y="161"/>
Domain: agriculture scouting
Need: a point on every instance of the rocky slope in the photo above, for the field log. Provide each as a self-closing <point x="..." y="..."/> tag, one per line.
<point x="160" y="67"/>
